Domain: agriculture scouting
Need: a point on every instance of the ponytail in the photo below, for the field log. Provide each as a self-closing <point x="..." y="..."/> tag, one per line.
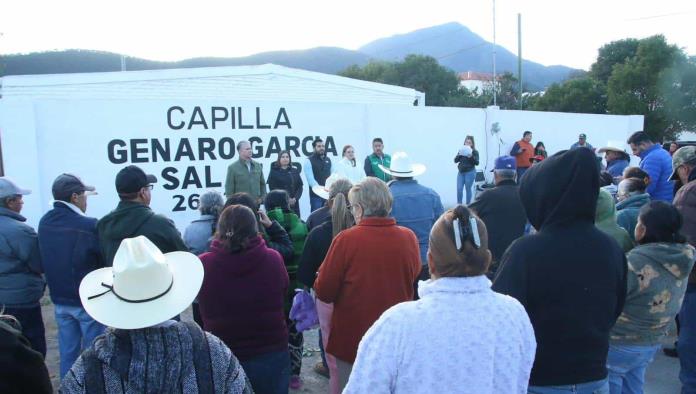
<point x="341" y="216"/>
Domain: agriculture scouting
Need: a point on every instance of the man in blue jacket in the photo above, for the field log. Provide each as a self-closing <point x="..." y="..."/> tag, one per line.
<point x="21" y="284"/>
<point x="656" y="162"/>
<point x="415" y="206"/>
<point x="70" y="250"/>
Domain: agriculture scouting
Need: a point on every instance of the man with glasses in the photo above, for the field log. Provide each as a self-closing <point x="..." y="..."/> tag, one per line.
<point x="133" y="216"/>
<point x="21" y="284"/>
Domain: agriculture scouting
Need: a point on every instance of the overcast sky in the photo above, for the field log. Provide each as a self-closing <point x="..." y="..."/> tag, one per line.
<point x="567" y="32"/>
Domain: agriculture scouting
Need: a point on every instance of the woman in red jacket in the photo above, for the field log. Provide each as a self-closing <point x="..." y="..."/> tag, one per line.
<point x="242" y="299"/>
<point x="369" y="268"/>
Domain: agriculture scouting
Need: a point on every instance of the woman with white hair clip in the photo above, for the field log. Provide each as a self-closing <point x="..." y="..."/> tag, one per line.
<point x="198" y="234"/>
<point x="460" y="336"/>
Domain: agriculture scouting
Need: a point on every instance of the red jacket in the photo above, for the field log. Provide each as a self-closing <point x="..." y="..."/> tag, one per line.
<point x="242" y="298"/>
<point x="368" y="269"/>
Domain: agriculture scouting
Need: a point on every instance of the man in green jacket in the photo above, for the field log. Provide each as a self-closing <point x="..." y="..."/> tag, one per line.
<point x="133" y="217"/>
<point x="377" y="157"/>
<point x="245" y="175"/>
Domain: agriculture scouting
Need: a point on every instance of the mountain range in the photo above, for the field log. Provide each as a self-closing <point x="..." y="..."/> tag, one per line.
<point x="454" y="45"/>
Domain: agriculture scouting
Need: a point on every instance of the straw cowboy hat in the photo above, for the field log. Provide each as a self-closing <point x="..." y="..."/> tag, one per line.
<point x="323" y="191"/>
<point x="616" y="146"/>
<point x="143" y="288"/>
<point x="402" y="167"/>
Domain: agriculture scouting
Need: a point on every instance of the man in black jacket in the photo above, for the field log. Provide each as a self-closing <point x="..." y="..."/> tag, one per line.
<point x="133" y="217"/>
<point x="569" y="276"/>
<point x="501" y="209"/>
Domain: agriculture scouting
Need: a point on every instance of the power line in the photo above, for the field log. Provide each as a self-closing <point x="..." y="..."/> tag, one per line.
<point x="660" y="16"/>
<point x="462" y="50"/>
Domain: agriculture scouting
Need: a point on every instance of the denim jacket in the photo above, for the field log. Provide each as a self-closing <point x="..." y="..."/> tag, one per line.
<point x="416" y="207"/>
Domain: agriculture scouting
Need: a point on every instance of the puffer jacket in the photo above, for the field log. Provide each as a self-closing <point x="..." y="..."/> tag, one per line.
<point x="655" y="289"/>
<point x="627" y="212"/>
<point x="605" y="220"/>
<point x="21" y="284"/>
<point x="658" y="164"/>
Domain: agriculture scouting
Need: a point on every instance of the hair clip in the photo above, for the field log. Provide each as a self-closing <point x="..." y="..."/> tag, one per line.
<point x="475" y="232"/>
<point x="229" y="234"/>
<point x="457" y="234"/>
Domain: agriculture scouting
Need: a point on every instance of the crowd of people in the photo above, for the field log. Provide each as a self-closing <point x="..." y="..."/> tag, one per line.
<point x="555" y="280"/>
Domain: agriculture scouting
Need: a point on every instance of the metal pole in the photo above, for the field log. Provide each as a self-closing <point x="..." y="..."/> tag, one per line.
<point x="123" y="62"/>
<point x="519" y="56"/>
<point x="495" y="80"/>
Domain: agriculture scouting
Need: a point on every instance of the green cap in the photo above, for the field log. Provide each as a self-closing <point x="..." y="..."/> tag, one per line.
<point x="683" y="155"/>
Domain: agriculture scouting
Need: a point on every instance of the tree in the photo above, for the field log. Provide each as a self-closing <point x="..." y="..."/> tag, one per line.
<point x="422" y="73"/>
<point x="637" y="86"/>
<point x="616" y="52"/>
<point x="585" y="95"/>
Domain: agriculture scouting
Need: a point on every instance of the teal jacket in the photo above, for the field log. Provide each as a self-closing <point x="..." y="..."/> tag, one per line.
<point x="627" y="212"/>
<point x="241" y="180"/>
<point x="657" y="279"/>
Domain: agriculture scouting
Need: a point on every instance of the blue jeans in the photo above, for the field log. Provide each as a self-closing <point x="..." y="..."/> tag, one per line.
<point x="316" y="202"/>
<point x="269" y="373"/>
<point x="687" y="341"/>
<point x="32" y="326"/>
<point x="76" y="332"/>
<point x="596" y="387"/>
<point x="465" y="179"/>
<point x="627" y="365"/>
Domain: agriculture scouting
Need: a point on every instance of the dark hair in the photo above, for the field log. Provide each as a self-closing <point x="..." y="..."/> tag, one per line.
<point x="639" y="137"/>
<point x="239" y="144"/>
<point x="316" y="141"/>
<point x="449" y="261"/>
<point x="636" y="172"/>
<point x="662" y="222"/>
<point x="526" y="133"/>
<point x="540" y="144"/>
<point x="277" y="199"/>
<point x="605" y="179"/>
<point x="473" y="142"/>
<point x="280" y="154"/>
<point x="242" y="199"/>
<point x="236" y="227"/>
<point x="377" y="140"/>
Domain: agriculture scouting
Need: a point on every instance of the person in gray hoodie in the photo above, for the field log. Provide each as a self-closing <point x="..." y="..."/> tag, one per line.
<point x="21" y="283"/>
<point x="658" y="269"/>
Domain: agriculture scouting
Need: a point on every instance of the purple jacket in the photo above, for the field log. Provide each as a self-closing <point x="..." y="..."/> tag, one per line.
<point x="242" y="298"/>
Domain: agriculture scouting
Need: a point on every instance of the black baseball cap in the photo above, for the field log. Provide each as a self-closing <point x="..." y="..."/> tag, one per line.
<point x="131" y="179"/>
<point x="66" y="184"/>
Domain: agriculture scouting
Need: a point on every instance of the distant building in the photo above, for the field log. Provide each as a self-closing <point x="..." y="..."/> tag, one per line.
<point x="472" y="80"/>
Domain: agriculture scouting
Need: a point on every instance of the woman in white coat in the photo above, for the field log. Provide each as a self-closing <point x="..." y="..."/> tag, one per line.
<point x="460" y="337"/>
<point x="347" y="167"/>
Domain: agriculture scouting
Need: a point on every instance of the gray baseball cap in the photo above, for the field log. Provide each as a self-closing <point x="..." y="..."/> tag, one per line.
<point x="8" y="188"/>
<point x="66" y="184"/>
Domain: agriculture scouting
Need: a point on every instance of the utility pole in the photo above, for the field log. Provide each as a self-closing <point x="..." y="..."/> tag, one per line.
<point x="123" y="62"/>
<point x="519" y="56"/>
<point x="495" y="79"/>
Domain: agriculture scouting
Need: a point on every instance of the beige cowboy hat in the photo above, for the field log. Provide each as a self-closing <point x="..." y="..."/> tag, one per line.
<point x="616" y="146"/>
<point x="402" y="167"/>
<point x="143" y="288"/>
<point x="323" y="191"/>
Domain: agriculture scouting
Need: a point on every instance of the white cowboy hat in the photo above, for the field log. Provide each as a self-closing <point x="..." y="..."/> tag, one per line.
<point x="402" y="167"/>
<point x="143" y="288"/>
<point x="616" y="146"/>
<point x="323" y="191"/>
